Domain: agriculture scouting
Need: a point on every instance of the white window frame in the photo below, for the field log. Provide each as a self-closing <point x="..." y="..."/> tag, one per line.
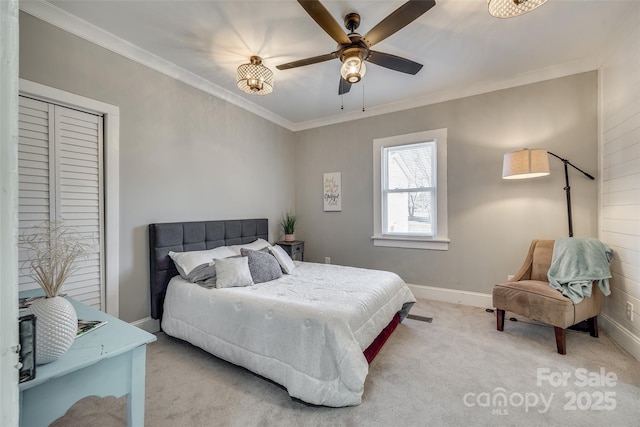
<point x="440" y="240"/>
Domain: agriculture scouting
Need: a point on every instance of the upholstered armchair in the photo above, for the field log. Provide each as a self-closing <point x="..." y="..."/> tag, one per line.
<point x="529" y="294"/>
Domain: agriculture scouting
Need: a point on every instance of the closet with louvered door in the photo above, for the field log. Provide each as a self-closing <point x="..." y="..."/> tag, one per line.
<point x="60" y="178"/>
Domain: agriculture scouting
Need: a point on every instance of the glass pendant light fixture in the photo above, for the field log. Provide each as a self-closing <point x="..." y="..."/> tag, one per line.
<point x="353" y="69"/>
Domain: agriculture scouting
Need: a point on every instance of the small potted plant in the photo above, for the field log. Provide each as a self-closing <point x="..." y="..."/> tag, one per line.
<point x="52" y="252"/>
<point x="288" y="224"/>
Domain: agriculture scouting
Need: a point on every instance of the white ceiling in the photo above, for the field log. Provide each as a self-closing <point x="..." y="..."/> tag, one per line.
<point x="464" y="50"/>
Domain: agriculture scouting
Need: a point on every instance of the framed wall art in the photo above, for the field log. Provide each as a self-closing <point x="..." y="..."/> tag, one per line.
<point x="332" y="185"/>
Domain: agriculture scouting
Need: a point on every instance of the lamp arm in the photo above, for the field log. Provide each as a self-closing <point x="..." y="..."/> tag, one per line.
<point x="567" y="189"/>
<point x="567" y="162"/>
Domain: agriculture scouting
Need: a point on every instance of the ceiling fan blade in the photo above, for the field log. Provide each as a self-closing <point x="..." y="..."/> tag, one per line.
<point x="398" y="19"/>
<point x="344" y="86"/>
<point x="321" y="15"/>
<point x="307" y="61"/>
<point x="393" y="62"/>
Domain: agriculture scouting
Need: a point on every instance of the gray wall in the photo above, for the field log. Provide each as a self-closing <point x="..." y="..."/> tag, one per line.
<point x="184" y="155"/>
<point x="491" y="221"/>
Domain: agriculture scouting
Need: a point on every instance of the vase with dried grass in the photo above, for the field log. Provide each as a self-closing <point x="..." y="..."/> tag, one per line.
<point x="53" y="250"/>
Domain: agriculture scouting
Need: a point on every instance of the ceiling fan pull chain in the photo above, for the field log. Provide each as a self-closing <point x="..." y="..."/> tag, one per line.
<point x="363" y="97"/>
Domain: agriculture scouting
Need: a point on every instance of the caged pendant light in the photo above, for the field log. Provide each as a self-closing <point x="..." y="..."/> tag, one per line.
<point x="512" y="8"/>
<point x="254" y="78"/>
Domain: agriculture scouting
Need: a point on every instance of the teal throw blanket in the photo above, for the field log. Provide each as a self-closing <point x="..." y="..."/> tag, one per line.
<point x="576" y="263"/>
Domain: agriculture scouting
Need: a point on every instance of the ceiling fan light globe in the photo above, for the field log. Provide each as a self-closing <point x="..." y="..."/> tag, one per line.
<point x="353" y="69"/>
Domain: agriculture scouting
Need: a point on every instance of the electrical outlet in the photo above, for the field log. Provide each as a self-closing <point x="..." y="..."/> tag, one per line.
<point x="629" y="311"/>
<point x="327" y="260"/>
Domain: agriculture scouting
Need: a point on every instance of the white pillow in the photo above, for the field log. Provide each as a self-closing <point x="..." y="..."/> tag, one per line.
<point x="233" y="272"/>
<point x="283" y="258"/>
<point x="187" y="261"/>
<point x="256" y="245"/>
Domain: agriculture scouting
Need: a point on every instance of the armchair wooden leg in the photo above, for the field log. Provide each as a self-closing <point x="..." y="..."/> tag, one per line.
<point x="500" y="319"/>
<point x="593" y="326"/>
<point x="561" y="340"/>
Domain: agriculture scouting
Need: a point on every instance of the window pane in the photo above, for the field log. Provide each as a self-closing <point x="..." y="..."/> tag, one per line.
<point x="410" y="166"/>
<point x="410" y="212"/>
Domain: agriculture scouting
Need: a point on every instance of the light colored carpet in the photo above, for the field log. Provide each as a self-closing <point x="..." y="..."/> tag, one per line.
<point x="451" y="372"/>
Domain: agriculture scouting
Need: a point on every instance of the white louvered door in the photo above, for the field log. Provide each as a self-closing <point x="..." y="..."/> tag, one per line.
<point x="60" y="170"/>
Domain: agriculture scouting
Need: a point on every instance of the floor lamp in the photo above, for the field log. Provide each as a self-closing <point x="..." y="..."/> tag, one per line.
<point x="528" y="163"/>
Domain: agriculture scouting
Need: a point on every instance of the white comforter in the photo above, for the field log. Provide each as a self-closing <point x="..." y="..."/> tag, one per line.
<point x="306" y="331"/>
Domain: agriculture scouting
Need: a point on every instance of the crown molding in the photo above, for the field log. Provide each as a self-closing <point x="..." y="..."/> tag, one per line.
<point x="83" y="29"/>
<point x="552" y="72"/>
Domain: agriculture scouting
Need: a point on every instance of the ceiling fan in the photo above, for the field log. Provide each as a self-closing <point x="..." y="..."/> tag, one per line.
<point x="353" y="49"/>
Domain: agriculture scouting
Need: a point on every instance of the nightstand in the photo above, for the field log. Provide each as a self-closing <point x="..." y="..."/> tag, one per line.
<point x="108" y="361"/>
<point x="293" y="248"/>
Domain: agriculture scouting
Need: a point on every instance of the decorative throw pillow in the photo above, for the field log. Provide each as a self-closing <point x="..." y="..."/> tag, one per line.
<point x="187" y="261"/>
<point x="283" y="258"/>
<point x="203" y="275"/>
<point x="263" y="267"/>
<point x="232" y="272"/>
<point x="256" y="245"/>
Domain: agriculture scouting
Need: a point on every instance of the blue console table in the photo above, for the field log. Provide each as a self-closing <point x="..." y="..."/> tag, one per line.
<point x="109" y="361"/>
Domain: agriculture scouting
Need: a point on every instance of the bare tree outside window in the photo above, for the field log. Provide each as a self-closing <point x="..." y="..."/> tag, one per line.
<point x="409" y="200"/>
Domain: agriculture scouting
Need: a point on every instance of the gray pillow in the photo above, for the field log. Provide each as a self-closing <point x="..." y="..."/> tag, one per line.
<point x="264" y="267"/>
<point x="232" y="272"/>
<point x="203" y="275"/>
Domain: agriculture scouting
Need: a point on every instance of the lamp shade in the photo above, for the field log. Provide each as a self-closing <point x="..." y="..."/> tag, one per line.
<point x="512" y="8"/>
<point x="525" y="163"/>
<point x="254" y="78"/>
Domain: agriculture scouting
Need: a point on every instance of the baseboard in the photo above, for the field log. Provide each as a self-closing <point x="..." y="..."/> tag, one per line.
<point x="455" y="296"/>
<point x="147" y="324"/>
<point x="620" y="335"/>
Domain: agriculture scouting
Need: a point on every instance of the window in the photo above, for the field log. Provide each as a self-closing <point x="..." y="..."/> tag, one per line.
<point x="410" y="190"/>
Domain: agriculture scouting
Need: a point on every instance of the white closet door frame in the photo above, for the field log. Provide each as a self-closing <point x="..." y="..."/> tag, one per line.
<point x="111" y="115"/>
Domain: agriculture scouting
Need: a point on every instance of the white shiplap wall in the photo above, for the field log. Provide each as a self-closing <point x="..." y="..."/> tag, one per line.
<point x="620" y="181"/>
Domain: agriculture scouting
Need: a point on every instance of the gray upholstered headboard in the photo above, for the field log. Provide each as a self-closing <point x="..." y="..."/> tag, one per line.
<point x="193" y="236"/>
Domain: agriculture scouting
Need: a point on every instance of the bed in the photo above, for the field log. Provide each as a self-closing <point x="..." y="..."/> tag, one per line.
<point x="313" y="331"/>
